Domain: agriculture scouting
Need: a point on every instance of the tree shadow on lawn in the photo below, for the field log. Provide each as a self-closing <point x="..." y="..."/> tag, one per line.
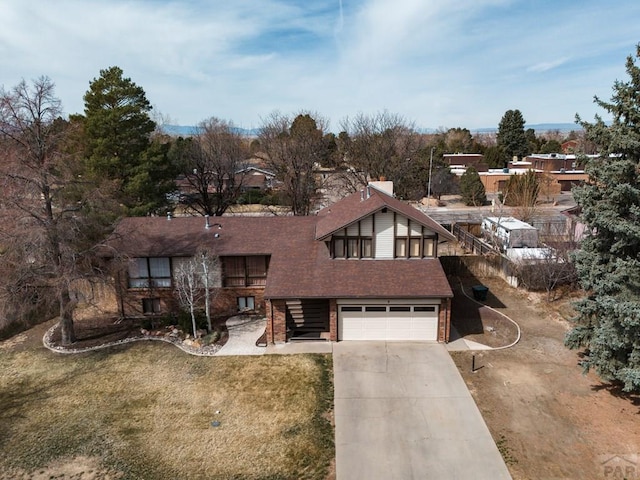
<point x="616" y="390"/>
<point x="466" y="314"/>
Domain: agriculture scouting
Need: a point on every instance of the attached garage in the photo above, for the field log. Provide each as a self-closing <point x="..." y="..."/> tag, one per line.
<point x="396" y="321"/>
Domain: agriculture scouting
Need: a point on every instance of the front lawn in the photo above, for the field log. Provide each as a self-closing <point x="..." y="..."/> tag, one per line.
<point x="147" y="411"/>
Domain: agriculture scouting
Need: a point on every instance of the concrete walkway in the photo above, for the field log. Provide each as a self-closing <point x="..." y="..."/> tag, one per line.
<point x="402" y="411"/>
<point x="244" y="331"/>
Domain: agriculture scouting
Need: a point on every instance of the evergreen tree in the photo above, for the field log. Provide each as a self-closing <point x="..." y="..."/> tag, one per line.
<point x="511" y="135"/>
<point x="472" y="188"/>
<point x="118" y="132"/>
<point x="608" y="322"/>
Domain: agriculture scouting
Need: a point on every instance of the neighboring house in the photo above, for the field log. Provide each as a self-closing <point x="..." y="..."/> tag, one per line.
<point x="457" y="161"/>
<point x="555" y="162"/>
<point x="254" y="178"/>
<point x="365" y="268"/>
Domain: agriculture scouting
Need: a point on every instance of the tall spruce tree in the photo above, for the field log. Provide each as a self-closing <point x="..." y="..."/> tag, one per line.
<point x="608" y="322"/>
<point x="511" y="136"/>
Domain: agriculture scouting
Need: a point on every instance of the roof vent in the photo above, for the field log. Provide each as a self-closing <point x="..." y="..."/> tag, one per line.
<point x="368" y="191"/>
<point x="206" y="222"/>
<point x="168" y="215"/>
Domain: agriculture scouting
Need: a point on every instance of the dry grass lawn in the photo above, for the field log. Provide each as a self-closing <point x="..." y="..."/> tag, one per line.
<point x="146" y="411"/>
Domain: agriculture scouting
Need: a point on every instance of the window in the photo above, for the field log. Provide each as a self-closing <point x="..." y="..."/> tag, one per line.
<point x="246" y="303"/>
<point x="424" y="309"/>
<point x="256" y="271"/>
<point x="414" y="247"/>
<point x="353" y="247"/>
<point x="375" y="309"/>
<point x="350" y="309"/>
<point x="399" y="309"/>
<point x="150" y="272"/>
<point x="367" y="248"/>
<point x="248" y="271"/>
<point x="413" y="240"/>
<point x="428" y="247"/>
<point x="150" y="306"/>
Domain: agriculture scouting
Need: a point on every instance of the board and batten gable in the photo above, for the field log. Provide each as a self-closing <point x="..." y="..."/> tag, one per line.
<point x="383" y="235"/>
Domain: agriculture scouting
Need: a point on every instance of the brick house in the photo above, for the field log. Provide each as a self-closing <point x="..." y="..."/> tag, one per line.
<point x="364" y="268"/>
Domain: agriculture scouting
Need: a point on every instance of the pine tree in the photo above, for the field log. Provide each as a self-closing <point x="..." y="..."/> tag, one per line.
<point x="472" y="188"/>
<point x="608" y="264"/>
<point x="118" y="132"/>
<point x="511" y="136"/>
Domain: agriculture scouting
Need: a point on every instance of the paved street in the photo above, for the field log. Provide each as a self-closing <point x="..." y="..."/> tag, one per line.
<point x="403" y="412"/>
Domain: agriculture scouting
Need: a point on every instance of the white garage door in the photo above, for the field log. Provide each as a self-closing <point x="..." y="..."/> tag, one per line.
<point x="387" y="322"/>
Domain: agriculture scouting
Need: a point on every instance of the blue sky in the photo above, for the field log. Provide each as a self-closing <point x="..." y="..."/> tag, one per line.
<point x="438" y="63"/>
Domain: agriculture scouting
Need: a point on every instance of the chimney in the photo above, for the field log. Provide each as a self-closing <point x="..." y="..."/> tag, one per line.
<point x="206" y="222"/>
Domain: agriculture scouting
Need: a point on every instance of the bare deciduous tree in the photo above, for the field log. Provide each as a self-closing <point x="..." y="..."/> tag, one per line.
<point x="549" y="270"/>
<point x="50" y="219"/>
<point x="197" y="280"/>
<point x="213" y="163"/>
<point x="383" y="145"/>
<point x="189" y="290"/>
<point x="522" y="193"/>
<point x="294" y="148"/>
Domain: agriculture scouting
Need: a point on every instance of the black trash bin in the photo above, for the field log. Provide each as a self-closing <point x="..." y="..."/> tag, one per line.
<point x="480" y="292"/>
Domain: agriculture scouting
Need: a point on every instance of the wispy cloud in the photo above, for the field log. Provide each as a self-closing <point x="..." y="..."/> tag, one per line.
<point x="546" y="66"/>
<point x="437" y="62"/>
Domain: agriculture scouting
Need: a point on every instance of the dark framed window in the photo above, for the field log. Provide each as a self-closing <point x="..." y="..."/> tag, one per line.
<point x="415" y="242"/>
<point x="401" y="247"/>
<point x="151" y="306"/>
<point x="249" y="271"/>
<point x="424" y="309"/>
<point x="148" y="272"/>
<point x="399" y="308"/>
<point x="382" y="308"/>
<point x="352" y="247"/>
<point x="347" y="308"/>
<point x="246" y="303"/>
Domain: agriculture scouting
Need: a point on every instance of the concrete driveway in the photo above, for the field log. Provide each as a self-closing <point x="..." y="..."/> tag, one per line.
<point x="402" y="411"/>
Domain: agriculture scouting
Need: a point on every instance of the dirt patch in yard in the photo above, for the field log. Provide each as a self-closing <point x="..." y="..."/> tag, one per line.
<point x="475" y="321"/>
<point x="548" y="419"/>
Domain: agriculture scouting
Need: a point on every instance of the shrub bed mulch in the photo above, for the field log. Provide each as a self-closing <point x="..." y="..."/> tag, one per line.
<point x="106" y="331"/>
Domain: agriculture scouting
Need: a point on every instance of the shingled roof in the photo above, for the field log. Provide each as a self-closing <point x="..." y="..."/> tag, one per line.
<point x="300" y="265"/>
<point x="364" y="203"/>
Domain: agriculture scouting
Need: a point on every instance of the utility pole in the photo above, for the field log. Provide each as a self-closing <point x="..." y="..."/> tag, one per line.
<point x="429" y="185"/>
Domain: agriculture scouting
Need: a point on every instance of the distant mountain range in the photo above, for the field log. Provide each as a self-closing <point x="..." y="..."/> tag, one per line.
<point x="538" y="127"/>
<point x="188" y="130"/>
